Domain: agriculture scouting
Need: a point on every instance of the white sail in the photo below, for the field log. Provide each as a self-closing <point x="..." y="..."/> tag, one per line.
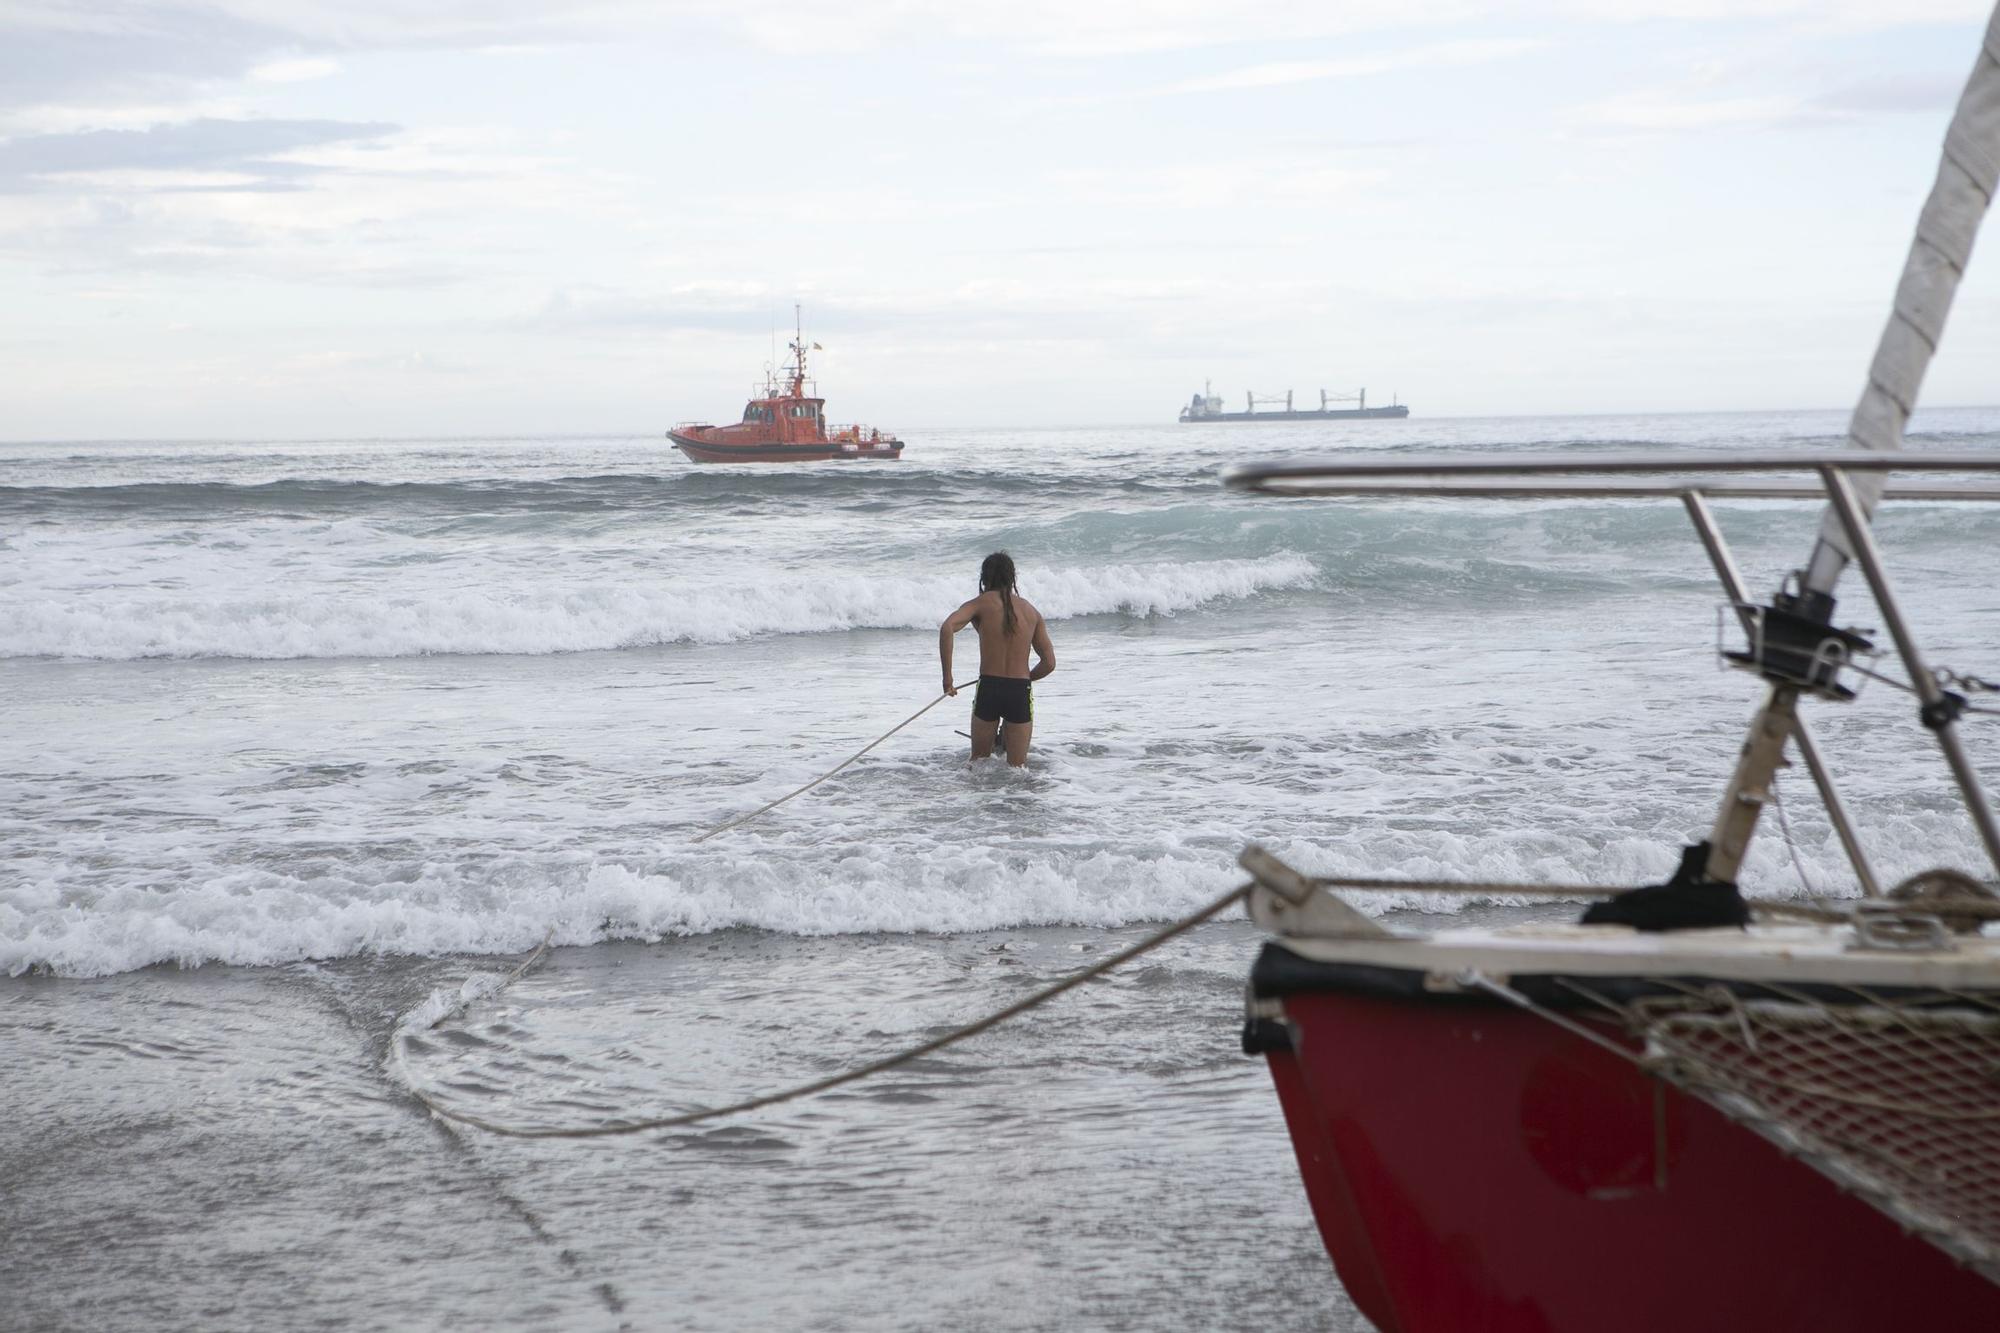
<point x="1938" y="255"/>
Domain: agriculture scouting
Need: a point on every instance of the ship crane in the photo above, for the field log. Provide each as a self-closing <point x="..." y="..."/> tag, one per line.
<point x="1207" y="406"/>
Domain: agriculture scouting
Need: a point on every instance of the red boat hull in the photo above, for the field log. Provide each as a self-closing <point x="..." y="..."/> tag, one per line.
<point x="724" y="451"/>
<point x="1473" y="1166"/>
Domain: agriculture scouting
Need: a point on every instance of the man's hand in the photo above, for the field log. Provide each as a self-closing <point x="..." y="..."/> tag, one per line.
<point x="949" y="688"/>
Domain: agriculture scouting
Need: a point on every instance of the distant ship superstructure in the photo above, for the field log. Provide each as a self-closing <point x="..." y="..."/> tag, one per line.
<point x="1208" y="406"/>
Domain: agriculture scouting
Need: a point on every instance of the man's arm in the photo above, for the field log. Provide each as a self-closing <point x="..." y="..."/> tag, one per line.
<point x="953" y="623"/>
<point x="1045" y="652"/>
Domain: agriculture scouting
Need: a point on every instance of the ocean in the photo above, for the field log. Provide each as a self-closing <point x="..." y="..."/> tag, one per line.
<point x="305" y="739"/>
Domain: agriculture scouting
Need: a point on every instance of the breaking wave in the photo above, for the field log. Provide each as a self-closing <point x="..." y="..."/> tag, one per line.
<point x="261" y="918"/>
<point x="488" y="620"/>
<point x="508" y="904"/>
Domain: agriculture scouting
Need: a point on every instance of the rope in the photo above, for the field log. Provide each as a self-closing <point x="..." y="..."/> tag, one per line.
<point x="1474" y="977"/>
<point x="1774" y="907"/>
<point x="1785" y="827"/>
<point x="464" y="1002"/>
<point x="956" y="1035"/>
<point x="1465" y="886"/>
<point x="735" y="823"/>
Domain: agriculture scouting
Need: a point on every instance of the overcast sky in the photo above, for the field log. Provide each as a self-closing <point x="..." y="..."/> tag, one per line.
<point x="311" y="218"/>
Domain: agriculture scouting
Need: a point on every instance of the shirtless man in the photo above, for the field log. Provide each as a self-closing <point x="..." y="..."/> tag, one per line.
<point x="1008" y="623"/>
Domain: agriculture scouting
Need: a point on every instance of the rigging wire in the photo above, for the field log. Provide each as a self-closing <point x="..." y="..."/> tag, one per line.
<point x="1785" y="827"/>
<point x="1946" y="678"/>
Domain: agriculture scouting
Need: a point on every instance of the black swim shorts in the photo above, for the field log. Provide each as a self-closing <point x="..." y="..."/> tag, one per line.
<point x="1003" y="698"/>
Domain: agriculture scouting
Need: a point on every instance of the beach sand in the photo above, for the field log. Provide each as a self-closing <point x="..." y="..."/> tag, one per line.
<point x="224" y="1147"/>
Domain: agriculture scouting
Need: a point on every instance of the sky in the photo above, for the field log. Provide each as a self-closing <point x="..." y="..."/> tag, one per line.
<point x="301" y="219"/>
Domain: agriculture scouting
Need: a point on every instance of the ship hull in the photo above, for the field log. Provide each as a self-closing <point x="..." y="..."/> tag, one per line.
<point x="1331" y="414"/>
<point x="1473" y="1166"/>
<point x="723" y="451"/>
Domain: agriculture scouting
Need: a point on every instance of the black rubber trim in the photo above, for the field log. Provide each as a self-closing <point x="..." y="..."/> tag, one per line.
<point x="1942" y="711"/>
<point x="1262" y="1035"/>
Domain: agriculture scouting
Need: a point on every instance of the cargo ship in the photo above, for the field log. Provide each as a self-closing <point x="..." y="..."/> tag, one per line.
<point x="1208" y="406"/>
<point x="784" y="422"/>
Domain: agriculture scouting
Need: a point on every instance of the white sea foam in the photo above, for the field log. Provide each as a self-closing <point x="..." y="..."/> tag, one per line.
<point x="1404" y="718"/>
<point x="264" y="918"/>
<point x="254" y="623"/>
<point x="440" y="1003"/>
<point x="510" y="905"/>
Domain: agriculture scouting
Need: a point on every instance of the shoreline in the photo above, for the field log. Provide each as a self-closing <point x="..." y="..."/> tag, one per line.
<point x="203" y="1139"/>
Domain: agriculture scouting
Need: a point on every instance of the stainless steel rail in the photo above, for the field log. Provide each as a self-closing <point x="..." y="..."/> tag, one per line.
<point x="1854" y="518"/>
<point x="1592" y="488"/>
<point x="1455" y="474"/>
<point x="1694" y="479"/>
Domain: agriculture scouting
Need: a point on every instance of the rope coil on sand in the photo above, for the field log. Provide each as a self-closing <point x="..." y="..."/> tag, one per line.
<point x="952" y="1038"/>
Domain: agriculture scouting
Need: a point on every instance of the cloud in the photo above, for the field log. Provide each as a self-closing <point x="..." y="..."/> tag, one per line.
<point x="128" y="51"/>
<point x="1274" y="74"/>
<point x="296" y="70"/>
<point x="698" y="307"/>
<point x="56" y="52"/>
<point x="248" y="149"/>
<point x="79" y="63"/>
<point x="353" y="205"/>
<point x="1840" y="16"/>
<point x="1276" y="181"/>
<point x="1004" y="310"/>
<point x="1916" y="92"/>
<point x="1303" y="71"/>
<point x="1665" y="113"/>
<point x="1061" y="29"/>
<point x="310" y="365"/>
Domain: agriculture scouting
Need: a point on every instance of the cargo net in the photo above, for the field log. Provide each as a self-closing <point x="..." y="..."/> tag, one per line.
<point x="1897" y="1100"/>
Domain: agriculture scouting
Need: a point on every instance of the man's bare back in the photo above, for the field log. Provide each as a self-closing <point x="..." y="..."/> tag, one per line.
<point x="1004" y="674"/>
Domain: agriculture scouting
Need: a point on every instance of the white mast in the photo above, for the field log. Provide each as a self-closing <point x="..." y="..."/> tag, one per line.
<point x="1938" y="256"/>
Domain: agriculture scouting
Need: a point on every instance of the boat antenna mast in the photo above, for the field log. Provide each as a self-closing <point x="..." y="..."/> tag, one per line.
<point x="771" y="366"/>
<point x="798" y="388"/>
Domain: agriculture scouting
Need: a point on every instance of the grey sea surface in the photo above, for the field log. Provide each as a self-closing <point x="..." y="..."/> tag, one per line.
<point x="307" y="741"/>
<point x="224" y="1148"/>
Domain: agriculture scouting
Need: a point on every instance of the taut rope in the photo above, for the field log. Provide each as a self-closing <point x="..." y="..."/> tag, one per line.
<point x="734" y="823"/>
<point x="973" y="1029"/>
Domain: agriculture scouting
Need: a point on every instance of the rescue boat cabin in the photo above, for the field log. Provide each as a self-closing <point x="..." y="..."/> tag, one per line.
<point x="795" y="418"/>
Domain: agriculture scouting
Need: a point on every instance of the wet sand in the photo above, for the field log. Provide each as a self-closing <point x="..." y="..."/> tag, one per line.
<point x="224" y="1147"/>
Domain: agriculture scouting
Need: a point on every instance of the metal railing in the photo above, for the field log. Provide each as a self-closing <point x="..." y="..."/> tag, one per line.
<point x="1694" y="479"/>
<point x="858" y="433"/>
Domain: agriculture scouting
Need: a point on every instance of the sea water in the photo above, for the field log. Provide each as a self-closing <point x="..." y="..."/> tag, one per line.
<point x="302" y="737"/>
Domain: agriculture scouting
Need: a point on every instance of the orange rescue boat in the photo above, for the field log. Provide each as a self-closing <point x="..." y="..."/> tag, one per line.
<point x="785" y="423"/>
